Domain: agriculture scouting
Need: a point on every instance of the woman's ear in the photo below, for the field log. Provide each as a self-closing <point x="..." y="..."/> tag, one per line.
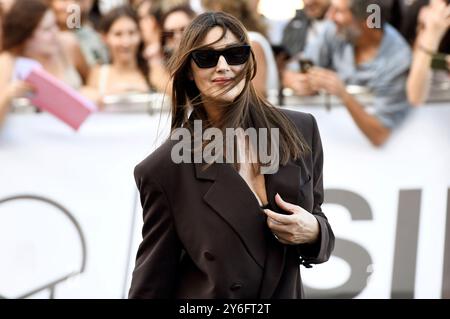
<point x="190" y="75"/>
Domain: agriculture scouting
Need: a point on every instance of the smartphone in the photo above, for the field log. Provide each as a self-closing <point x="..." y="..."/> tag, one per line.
<point x="305" y="65"/>
<point x="439" y="62"/>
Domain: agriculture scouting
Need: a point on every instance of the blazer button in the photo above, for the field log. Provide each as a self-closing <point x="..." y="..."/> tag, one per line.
<point x="236" y="286"/>
<point x="209" y="256"/>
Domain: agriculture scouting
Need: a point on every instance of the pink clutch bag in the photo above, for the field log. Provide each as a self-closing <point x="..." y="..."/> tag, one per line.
<point x="59" y="99"/>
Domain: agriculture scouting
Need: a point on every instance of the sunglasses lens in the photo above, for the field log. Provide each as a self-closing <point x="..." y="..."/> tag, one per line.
<point x="237" y="55"/>
<point x="209" y="58"/>
<point x="205" y="58"/>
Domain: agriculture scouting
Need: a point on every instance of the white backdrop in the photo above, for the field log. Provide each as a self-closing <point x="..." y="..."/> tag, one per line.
<point x="90" y="173"/>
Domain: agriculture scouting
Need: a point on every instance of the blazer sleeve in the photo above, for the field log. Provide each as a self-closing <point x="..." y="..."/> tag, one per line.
<point x="155" y="271"/>
<point x="319" y="251"/>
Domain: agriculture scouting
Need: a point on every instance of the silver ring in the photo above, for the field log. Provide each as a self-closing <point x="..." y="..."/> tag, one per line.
<point x="276" y="236"/>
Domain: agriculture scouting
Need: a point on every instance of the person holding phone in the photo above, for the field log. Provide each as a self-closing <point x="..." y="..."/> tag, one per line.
<point x="228" y="230"/>
<point x="434" y="22"/>
<point x="302" y="31"/>
<point x="350" y="51"/>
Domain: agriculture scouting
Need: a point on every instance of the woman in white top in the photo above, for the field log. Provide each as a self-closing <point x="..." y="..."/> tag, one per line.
<point x="266" y="81"/>
<point x="30" y="32"/>
<point x="128" y="72"/>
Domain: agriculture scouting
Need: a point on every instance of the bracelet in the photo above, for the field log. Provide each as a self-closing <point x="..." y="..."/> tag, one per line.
<point x="426" y="50"/>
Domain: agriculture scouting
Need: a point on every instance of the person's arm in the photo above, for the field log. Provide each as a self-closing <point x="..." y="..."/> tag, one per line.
<point x="8" y="93"/>
<point x="5" y="66"/>
<point x="259" y="81"/>
<point x="369" y="124"/>
<point x="435" y="19"/>
<point x="159" y="76"/>
<point x="310" y="232"/>
<point x="3" y="108"/>
<point x="319" y="250"/>
<point x="319" y="51"/>
<point x="73" y="53"/>
<point x="9" y="90"/>
<point x="158" y="255"/>
<point x="91" y="90"/>
<point x="80" y="63"/>
<point x="298" y="82"/>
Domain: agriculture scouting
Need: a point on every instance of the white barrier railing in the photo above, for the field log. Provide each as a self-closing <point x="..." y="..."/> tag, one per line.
<point x="387" y="206"/>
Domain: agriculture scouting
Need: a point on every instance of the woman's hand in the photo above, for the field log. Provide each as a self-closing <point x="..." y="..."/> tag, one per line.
<point x="153" y="52"/>
<point x="298" y="82"/>
<point x="327" y="80"/>
<point x="300" y="227"/>
<point x="18" y="89"/>
<point x="435" y="19"/>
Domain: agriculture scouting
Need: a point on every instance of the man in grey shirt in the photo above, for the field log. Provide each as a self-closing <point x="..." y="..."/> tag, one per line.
<point x="355" y="50"/>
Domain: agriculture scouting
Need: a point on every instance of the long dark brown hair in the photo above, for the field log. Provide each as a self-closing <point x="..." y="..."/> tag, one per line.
<point x="126" y="11"/>
<point x="241" y="10"/>
<point x="247" y="110"/>
<point x="20" y="21"/>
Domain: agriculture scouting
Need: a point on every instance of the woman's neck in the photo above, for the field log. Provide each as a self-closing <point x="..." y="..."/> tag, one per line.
<point x="213" y="110"/>
<point x="214" y="114"/>
<point x="124" y="66"/>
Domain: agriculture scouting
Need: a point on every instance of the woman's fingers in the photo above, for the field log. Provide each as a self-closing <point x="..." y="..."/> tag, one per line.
<point x="278" y="218"/>
<point x="19" y="89"/>
<point x="285" y="205"/>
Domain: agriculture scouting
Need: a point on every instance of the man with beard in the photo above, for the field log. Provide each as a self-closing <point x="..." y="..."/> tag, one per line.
<point x="357" y="51"/>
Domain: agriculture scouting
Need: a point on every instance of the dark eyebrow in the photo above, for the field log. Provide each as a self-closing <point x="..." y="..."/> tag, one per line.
<point x="237" y="44"/>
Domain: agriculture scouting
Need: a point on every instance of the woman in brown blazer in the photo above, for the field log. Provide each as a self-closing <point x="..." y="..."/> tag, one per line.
<point x="226" y="230"/>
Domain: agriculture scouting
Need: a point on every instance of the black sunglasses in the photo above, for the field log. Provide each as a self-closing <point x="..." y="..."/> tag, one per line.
<point x="208" y="58"/>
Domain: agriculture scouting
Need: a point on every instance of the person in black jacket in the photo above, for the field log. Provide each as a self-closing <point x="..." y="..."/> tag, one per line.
<point x="234" y="229"/>
<point x="295" y="34"/>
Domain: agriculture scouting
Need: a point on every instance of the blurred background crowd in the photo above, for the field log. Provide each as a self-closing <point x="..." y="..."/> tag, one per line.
<point x="117" y="51"/>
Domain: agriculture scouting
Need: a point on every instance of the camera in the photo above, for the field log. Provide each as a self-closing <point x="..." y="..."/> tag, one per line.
<point x="305" y="65"/>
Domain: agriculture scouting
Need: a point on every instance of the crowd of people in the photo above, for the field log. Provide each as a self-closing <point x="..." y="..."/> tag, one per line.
<point x="328" y="45"/>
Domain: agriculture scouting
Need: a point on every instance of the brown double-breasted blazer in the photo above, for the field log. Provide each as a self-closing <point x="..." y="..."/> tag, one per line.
<point x="205" y="235"/>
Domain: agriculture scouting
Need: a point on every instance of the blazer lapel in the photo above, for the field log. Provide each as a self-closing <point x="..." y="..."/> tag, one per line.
<point x="232" y="199"/>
